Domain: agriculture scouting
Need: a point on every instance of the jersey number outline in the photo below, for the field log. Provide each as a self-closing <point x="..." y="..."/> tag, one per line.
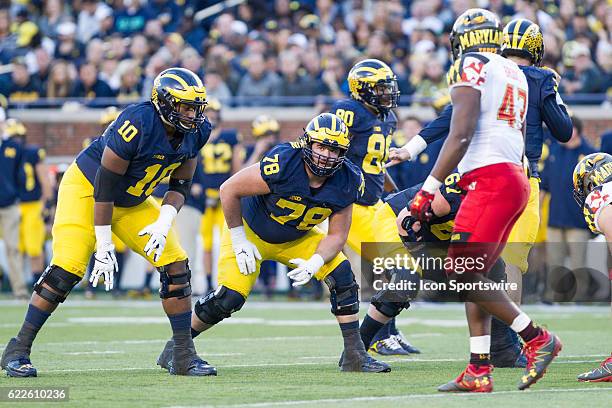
<point x="347" y="116"/>
<point x="152" y="177"/>
<point x="30" y="180"/>
<point x="216" y="158"/>
<point x="271" y="168"/>
<point x="377" y="153"/>
<point x="506" y="110"/>
<point x="127" y="131"/>
<point x="313" y="216"/>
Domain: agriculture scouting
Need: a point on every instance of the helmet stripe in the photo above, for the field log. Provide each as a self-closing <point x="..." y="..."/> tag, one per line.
<point x="179" y="80"/>
<point x="526" y="35"/>
<point x="515" y="34"/>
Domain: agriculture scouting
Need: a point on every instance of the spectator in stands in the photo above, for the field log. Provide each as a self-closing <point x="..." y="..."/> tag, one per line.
<point x="90" y="18"/>
<point x="334" y="78"/>
<point x="130" y="88"/>
<point x="60" y="83"/>
<point x="565" y="223"/>
<point x="293" y="82"/>
<point x="582" y="75"/>
<point x="95" y="52"/>
<point x="433" y="84"/>
<point x="216" y="87"/>
<point x="131" y="18"/>
<point x="67" y="46"/>
<point x="168" y="12"/>
<point x="54" y="13"/>
<point x="23" y="87"/>
<point x="191" y="60"/>
<point x="258" y="81"/>
<point x="89" y="85"/>
<point x="41" y="65"/>
<point x="139" y="49"/>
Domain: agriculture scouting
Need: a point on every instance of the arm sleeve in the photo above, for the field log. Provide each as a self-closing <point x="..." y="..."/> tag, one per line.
<point x="438" y="128"/>
<point x="557" y="119"/>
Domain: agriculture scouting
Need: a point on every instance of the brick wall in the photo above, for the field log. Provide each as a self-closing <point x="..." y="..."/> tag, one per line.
<point x="66" y="138"/>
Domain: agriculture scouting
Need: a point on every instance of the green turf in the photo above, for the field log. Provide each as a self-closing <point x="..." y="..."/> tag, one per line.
<point x="284" y="353"/>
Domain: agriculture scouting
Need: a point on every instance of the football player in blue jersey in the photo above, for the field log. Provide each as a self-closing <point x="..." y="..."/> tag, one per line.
<point x="108" y="187"/>
<point x="523" y="43"/>
<point x="272" y="210"/>
<point x="34" y="189"/>
<point x="371" y="121"/>
<point x="221" y="157"/>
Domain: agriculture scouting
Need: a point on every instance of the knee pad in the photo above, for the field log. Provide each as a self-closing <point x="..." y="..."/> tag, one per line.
<point x="392" y="302"/>
<point x="166" y="280"/>
<point x="344" y="291"/>
<point x="60" y="280"/>
<point x="218" y="305"/>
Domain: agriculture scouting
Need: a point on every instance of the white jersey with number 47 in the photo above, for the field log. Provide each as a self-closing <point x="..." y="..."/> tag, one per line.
<point x="503" y="107"/>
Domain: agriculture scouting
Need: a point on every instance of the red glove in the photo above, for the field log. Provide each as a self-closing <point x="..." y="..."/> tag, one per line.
<point x="420" y="208"/>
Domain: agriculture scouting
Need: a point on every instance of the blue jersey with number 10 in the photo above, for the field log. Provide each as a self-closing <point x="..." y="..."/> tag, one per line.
<point x="138" y="135"/>
<point x="292" y="208"/>
<point x="371" y="137"/>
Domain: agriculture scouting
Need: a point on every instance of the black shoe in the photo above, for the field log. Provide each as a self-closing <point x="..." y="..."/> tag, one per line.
<point x="16" y="360"/>
<point x="360" y="361"/>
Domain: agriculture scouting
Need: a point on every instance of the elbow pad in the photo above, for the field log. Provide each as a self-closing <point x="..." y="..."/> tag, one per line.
<point x="180" y="186"/>
<point x="105" y="185"/>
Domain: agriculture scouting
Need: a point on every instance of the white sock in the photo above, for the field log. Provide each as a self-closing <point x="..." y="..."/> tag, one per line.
<point x="520" y="322"/>
<point x="480" y="345"/>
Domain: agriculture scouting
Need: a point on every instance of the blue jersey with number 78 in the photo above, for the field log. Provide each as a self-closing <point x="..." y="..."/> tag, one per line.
<point x="292" y="208"/>
<point x="138" y="135"/>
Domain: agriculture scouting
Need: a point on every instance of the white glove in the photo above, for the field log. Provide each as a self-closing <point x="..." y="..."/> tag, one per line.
<point x="305" y="269"/>
<point x="105" y="259"/>
<point x="158" y="231"/>
<point x="246" y="252"/>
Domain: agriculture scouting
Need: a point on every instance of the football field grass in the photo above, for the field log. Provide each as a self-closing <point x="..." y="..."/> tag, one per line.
<point x="285" y="354"/>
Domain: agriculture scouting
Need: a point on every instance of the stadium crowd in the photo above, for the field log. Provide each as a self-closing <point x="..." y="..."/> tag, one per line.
<point x="298" y="49"/>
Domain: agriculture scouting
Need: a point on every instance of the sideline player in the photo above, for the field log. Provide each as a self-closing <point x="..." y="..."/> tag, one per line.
<point x="272" y="210"/>
<point x="593" y="192"/>
<point x="109" y="187"/>
<point x="486" y="143"/>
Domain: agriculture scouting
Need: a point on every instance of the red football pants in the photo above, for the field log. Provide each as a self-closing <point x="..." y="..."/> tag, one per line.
<point x="496" y="197"/>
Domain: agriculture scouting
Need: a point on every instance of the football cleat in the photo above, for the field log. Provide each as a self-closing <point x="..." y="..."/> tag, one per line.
<point x="16" y="360"/>
<point x="472" y="379"/>
<point x="405" y="344"/>
<point x="362" y="362"/>
<point x="197" y="368"/>
<point x="165" y="358"/>
<point x="603" y="373"/>
<point x="540" y="352"/>
<point x="388" y="347"/>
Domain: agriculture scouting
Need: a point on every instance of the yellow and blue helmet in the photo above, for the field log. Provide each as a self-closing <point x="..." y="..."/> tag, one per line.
<point x="523" y="38"/>
<point x="264" y="125"/>
<point x="15" y="128"/>
<point x="591" y="172"/>
<point x="476" y="30"/>
<point x="328" y="130"/>
<point x="175" y="87"/>
<point x="372" y="82"/>
<point x="109" y="115"/>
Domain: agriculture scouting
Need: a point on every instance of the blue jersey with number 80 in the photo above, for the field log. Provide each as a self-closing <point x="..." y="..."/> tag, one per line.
<point x="371" y="138"/>
<point x="292" y="208"/>
<point x="138" y="135"/>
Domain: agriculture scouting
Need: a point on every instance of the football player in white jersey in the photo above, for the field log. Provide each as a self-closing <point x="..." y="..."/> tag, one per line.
<point x="593" y="192"/>
<point x="486" y="144"/>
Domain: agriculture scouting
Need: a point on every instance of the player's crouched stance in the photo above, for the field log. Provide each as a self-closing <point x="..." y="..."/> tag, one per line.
<point x="593" y="192"/>
<point x="272" y="209"/>
<point x="109" y="187"/>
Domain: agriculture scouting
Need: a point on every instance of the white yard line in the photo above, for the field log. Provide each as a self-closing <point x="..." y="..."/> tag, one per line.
<point x="395" y="398"/>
